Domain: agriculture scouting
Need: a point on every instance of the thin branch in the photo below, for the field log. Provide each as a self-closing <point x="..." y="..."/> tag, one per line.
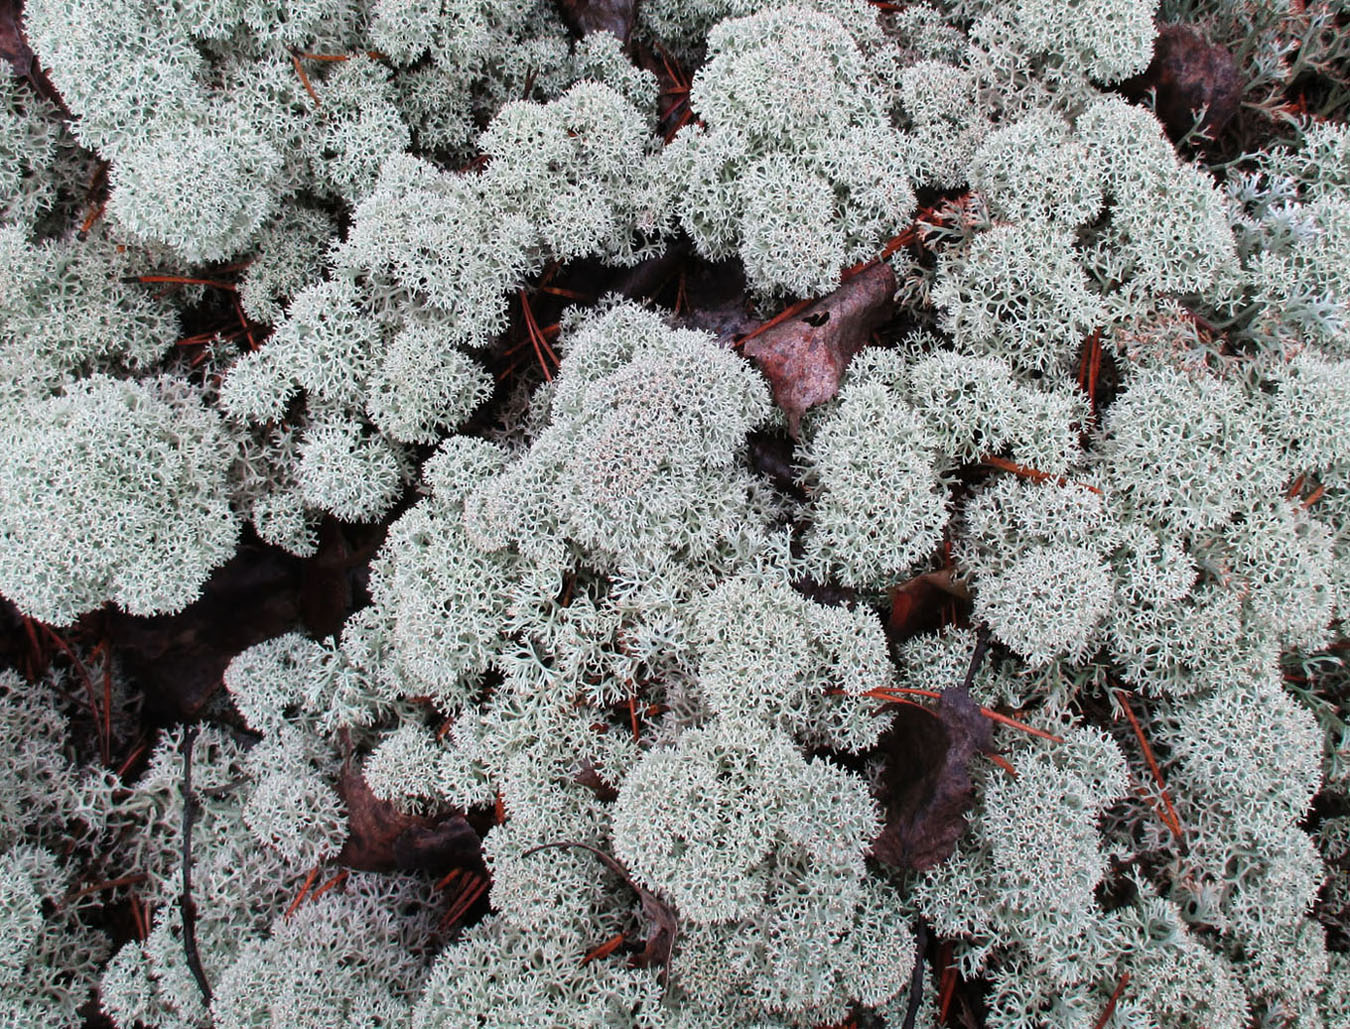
<point x="916" y="977"/>
<point x="185" y="902"/>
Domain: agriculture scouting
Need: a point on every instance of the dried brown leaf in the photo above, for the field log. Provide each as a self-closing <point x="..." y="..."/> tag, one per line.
<point x="917" y="605"/>
<point x="586" y="16"/>
<point x="926" y="787"/>
<point x="1187" y="73"/>
<point x="13" y="44"/>
<point x="381" y="838"/>
<point x="805" y="356"/>
<point x="587" y="775"/>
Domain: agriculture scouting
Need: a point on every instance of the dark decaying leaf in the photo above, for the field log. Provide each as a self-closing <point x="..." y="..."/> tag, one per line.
<point x="925" y="788"/>
<point x="805" y="356"/>
<point x="586" y="16"/>
<point x="381" y="838"/>
<point x="713" y="298"/>
<point x="1187" y="73"/>
<point x="588" y="776"/>
<point x="917" y="605"/>
<point x="662" y="921"/>
<point x="13" y="44"/>
<point x="772" y="456"/>
<point x="178" y="659"/>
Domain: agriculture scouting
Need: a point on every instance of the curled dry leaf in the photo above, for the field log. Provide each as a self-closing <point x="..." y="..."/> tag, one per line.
<point x="381" y="838"/>
<point x="917" y="605"/>
<point x="589" y="776"/>
<point x="662" y="921"/>
<point x="805" y="355"/>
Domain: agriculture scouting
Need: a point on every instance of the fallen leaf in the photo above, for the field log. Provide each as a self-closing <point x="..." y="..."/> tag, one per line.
<point x="1188" y="72"/>
<point x="918" y="604"/>
<point x="586" y="16"/>
<point x="805" y="356"/>
<point x="925" y="788"/>
<point x="773" y="457"/>
<point x="588" y="776"/>
<point x="715" y="300"/>
<point x="450" y="843"/>
<point x="662" y="921"/>
<point x="13" y="44"/>
<point x="178" y="659"/>
<point x="381" y="838"/>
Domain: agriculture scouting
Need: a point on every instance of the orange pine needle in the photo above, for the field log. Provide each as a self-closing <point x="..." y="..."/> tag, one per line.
<point x="112" y="884"/>
<point x="95" y="213"/>
<point x="467" y="898"/>
<point x="337" y="880"/>
<point x="889" y="696"/>
<point x="633" y="718"/>
<point x="537" y="338"/>
<point x="136" y="752"/>
<point x="499" y="809"/>
<point x="569" y="294"/>
<point x="243" y="322"/>
<point x="449" y="878"/>
<point x="304" y="891"/>
<point x="374" y="55"/>
<point x="1314" y="497"/>
<point x="1170" y="818"/>
<point x="106" y="727"/>
<point x="104" y="742"/>
<point x="184" y="280"/>
<point x="138" y="917"/>
<point x="604" y="950"/>
<point x="1111" y="1004"/>
<point x="947" y="980"/>
<point x="1034" y="474"/>
<point x="304" y="79"/>
<point x="1295" y="488"/>
<point x="1003" y="763"/>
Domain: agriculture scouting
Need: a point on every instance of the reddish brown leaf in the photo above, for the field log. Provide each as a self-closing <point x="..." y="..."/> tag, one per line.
<point x="917" y="605"/>
<point x="662" y="921"/>
<point x="805" y="356"/>
<point x="1188" y="73"/>
<point x="382" y="838"/>
<point x="590" y="778"/>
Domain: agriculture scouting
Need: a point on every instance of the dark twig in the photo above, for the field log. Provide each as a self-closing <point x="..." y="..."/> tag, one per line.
<point x="916" y="977"/>
<point x="977" y="656"/>
<point x="663" y="931"/>
<point x="185" y="902"/>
